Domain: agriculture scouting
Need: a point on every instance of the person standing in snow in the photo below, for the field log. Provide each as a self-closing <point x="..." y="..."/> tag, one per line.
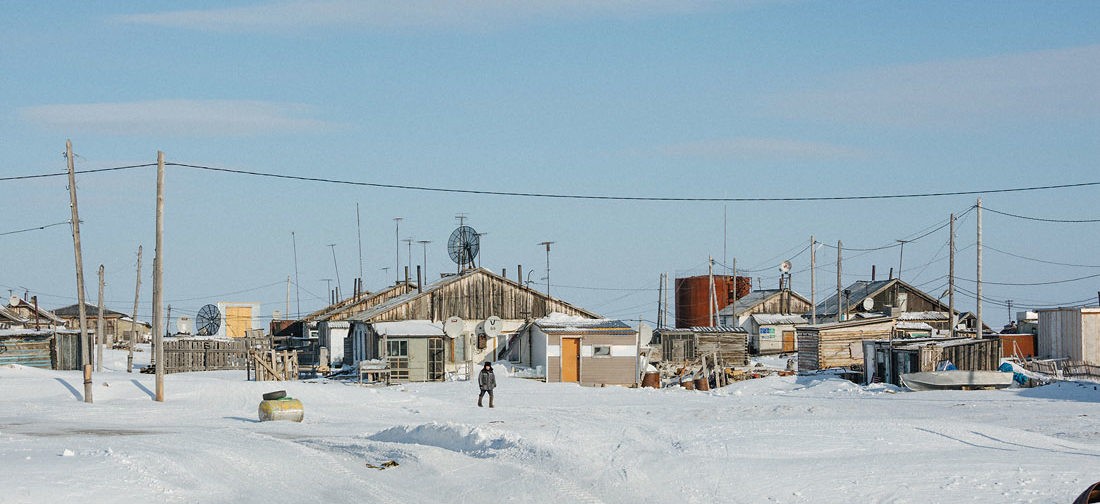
<point x="487" y="381"/>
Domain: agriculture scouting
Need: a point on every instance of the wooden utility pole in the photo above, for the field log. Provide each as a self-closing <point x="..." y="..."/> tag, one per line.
<point x="133" y="321"/>
<point x="813" y="280"/>
<point x="710" y="291"/>
<point x="978" y="313"/>
<point x="99" y="327"/>
<point x="840" y="315"/>
<point x="85" y="354"/>
<point x="951" y="280"/>
<point x="660" y="309"/>
<point x="158" y="283"/>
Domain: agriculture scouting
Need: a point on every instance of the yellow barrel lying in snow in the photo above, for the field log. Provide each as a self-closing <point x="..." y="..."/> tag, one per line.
<point x="287" y="408"/>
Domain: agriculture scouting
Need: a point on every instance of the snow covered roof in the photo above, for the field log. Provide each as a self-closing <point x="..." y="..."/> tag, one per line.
<point x="777" y="319"/>
<point x="408" y="328"/>
<point x="914" y="326"/>
<point x="923" y="315"/>
<point x="561" y="322"/>
<point x="10" y="315"/>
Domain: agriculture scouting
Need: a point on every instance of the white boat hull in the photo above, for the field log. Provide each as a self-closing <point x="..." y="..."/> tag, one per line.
<point x="956" y="380"/>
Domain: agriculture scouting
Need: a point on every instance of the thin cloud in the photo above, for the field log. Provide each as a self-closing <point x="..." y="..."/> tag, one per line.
<point x="762" y="149"/>
<point x="299" y="15"/>
<point x="1050" y="84"/>
<point x="174" y="117"/>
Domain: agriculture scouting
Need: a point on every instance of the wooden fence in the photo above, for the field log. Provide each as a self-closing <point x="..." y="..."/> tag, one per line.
<point x="1064" y="369"/>
<point x="1078" y="369"/>
<point x="273" y="365"/>
<point x="196" y="354"/>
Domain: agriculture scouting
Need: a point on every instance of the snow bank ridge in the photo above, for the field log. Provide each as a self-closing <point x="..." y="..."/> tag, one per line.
<point x="467" y="439"/>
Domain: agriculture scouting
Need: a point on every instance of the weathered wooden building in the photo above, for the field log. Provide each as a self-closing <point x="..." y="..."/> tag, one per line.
<point x="474" y="296"/>
<point x="885" y="297"/>
<point x="886" y="360"/>
<point x="1070" y="333"/>
<point x="728" y="344"/>
<point x="328" y="327"/>
<point x="34" y="314"/>
<point x="117" y="326"/>
<point x="775" y="301"/>
<point x="839" y="344"/>
<point x="585" y="351"/>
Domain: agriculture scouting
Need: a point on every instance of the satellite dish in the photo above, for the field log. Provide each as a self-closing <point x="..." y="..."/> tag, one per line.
<point x="785" y="267"/>
<point x="868" y="304"/>
<point x="492" y="326"/>
<point x="13" y="301"/>
<point x="183" y="325"/>
<point x="453" y="327"/>
<point x="209" y="320"/>
<point x="463" y="245"/>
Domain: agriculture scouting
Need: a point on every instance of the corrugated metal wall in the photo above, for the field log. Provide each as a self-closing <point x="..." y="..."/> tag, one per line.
<point x="26" y="349"/>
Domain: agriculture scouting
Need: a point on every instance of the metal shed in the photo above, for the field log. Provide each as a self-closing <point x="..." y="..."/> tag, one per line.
<point x="1070" y="333"/>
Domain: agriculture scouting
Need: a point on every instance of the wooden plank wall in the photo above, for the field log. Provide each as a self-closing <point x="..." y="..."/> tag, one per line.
<point x="808" y="359"/>
<point x="189" y="355"/>
<point x="66" y="352"/>
<point x="26" y="349"/>
<point x="979" y="355"/>
<point x="479" y="296"/>
<point x="732" y="348"/>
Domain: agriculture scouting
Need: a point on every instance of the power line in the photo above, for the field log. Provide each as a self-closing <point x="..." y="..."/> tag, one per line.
<point x="1030" y="284"/>
<point x="1041" y="219"/>
<point x="65" y="174"/>
<point x="34" y="228"/>
<point x="591" y="197"/>
<point x="1041" y="260"/>
<point x="627" y="198"/>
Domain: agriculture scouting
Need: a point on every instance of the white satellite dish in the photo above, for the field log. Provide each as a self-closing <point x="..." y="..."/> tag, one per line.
<point x="785" y="267"/>
<point x="183" y="325"/>
<point x="454" y="327"/>
<point x="13" y="301"/>
<point x="492" y="326"/>
<point x="868" y="304"/>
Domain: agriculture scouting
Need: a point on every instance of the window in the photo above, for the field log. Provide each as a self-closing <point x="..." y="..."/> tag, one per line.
<point x="601" y="351"/>
<point x="398" y="358"/>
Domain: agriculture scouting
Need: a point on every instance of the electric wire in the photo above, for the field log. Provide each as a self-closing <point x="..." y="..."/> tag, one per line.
<point x="79" y="172"/>
<point x="1041" y="219"/>
<point x="33" y="228"/>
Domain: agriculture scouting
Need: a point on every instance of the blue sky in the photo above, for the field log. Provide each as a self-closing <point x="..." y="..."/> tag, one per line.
<point x="637" y="98"/>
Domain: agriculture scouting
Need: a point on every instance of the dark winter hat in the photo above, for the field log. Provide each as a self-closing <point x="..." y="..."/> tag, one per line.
<point x="488" y="364"/>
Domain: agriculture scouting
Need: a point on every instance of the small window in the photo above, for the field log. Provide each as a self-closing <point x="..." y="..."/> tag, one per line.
<point x="601" y="351"/>
<point x="397" y="348"/>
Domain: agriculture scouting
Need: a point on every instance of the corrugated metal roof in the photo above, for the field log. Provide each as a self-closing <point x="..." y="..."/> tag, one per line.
<point x="718" y="329"/>
<point x="777" y="319"/>
<point x="914" y="326"/>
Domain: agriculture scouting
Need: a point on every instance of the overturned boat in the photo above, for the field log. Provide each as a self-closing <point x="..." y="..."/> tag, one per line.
<point x="956" y="380"/>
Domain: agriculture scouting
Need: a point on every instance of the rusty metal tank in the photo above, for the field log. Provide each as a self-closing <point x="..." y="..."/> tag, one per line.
<point x="693" y="297"/>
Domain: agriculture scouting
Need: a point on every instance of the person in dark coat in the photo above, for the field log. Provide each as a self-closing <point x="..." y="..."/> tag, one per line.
<point x="487" y="381"/>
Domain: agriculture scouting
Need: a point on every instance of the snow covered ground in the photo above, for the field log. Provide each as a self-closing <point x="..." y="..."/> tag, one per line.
<point x="778" y="439"/>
